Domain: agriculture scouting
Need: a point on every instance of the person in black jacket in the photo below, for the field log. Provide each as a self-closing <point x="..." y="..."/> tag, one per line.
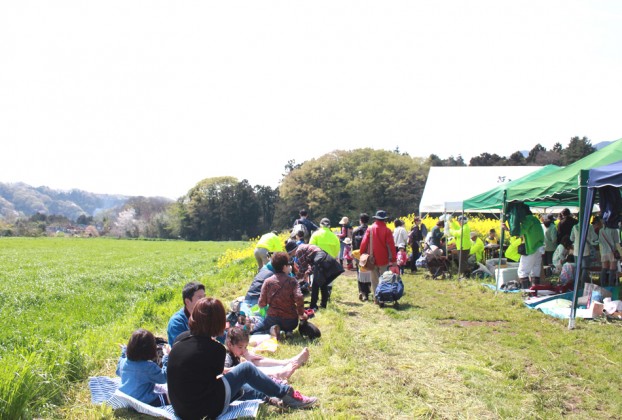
<point x="197" y="387"/>
<point x="417" y="234"/>
<point x="564" y="227"/>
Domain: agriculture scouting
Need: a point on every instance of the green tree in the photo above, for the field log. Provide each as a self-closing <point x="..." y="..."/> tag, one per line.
<point x="267" y="199"/>
<point x="345" y="183"/>
<point x="516" y="159"/>
<point x="83" y="219"/>
<point x="486" y="159"/>
<point x="577" y="149"/>
<point x="533" y="153"/>
<point x="221" y="208"/>
<point x="550" y="157"/>
<point x="434" y="160"/>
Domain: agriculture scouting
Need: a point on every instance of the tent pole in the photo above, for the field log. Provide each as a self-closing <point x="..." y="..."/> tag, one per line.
<point x="584" y="217"/>
<point x="501" y="240"/>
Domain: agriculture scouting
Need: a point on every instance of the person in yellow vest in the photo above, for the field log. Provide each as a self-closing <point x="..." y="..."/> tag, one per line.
<point x="477" y="247"/>
<point x="325" y="239"/>
<point x="462" y="235"/>
<point x="267" y="244"/>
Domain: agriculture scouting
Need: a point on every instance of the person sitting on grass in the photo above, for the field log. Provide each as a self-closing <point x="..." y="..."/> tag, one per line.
<point x="198" y="388"/>
<point x="237" y="348"/>
<point x="282" y="295"/>
<point x="178" y="323"/>
<point x="138" y="371"/>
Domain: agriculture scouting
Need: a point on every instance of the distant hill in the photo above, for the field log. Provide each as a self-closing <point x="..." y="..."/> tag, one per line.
<point x="602" y="144"/>
<point x="19" y="199"/>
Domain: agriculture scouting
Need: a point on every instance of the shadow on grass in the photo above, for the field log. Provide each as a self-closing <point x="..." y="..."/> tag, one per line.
<point x="399" y="307"/>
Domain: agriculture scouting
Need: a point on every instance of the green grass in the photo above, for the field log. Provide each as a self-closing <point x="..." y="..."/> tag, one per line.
<point x="66" y="303"/>
<point x="450" y="350"/>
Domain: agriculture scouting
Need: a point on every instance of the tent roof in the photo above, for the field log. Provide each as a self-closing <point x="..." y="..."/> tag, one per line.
<point x="493" y="199"/>
<point x="606" y="175"/>
<point x="562" y="185"/>
<point x="447" y="186"/>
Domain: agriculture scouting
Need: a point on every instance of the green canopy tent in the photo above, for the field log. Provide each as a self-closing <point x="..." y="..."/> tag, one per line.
<point x="563" y="186"/>
<point x="495" y="198"/>
<point x="547" y="187"/>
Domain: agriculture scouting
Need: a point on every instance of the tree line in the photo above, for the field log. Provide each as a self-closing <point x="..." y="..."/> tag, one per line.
<point x="337" y="184"/>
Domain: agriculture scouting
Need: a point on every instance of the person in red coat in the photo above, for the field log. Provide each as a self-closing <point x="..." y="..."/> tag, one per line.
<point x="382" y="247"/>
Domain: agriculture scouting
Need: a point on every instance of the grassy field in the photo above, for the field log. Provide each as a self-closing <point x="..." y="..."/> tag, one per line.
<point x="451" y="350"/>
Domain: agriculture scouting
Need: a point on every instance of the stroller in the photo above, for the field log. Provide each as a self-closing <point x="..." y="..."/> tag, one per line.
<point x="436" y="262"/>
<point x="390" y="289"/>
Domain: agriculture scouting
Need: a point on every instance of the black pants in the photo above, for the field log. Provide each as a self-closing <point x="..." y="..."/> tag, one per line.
<point x="415" y="256"/>
<point x="364" y="288"/>
<point x="315" y="291"/>
<point x="325" y="270"/>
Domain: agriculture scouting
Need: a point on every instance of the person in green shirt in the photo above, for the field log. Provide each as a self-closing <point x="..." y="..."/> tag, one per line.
<point x="530" y="265"/>
<point x="267" y="244"/>
<point x="325" y="239"/>
<point x="461" y="232"/>
<point x="477" y="247"/>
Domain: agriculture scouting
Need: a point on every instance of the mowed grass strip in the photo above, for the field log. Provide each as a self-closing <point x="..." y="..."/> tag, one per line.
<point x="450" y="350"/>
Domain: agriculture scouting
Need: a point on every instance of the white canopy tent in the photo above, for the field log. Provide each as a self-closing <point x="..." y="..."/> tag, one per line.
<point x="448" y="186"/>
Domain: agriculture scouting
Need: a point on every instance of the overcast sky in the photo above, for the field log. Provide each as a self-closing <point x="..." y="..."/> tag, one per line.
<point x="150" y="97"/>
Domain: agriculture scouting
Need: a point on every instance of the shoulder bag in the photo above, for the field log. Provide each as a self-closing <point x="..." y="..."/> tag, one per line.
<point x="367" y="260"/>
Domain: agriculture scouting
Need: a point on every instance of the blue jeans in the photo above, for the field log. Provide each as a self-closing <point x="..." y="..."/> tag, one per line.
<point x="286" y="324"/>
<point x="342" y="247"/>
<point x="255" y="383"/>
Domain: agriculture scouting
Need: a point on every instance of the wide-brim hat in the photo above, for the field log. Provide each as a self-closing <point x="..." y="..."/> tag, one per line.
<point x="344" y="221"/>
<point x="347" y="241"/>
<point x="380" y="215"/>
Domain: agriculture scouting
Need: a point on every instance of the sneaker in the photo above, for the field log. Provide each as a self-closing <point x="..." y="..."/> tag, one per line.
<point x="294" y="399"/>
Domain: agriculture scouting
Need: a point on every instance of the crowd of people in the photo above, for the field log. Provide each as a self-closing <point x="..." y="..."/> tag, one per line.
<point x="206" y="363"/>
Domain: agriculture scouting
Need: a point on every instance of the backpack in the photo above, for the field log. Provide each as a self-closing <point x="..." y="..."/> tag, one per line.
<point x="297" y="228"/>
<point x="309" y="330"/>
<point x="357" y="237"/>
<point x="390" y="288"/>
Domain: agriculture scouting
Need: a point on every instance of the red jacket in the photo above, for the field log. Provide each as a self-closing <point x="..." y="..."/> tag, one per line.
<point x="383" y="248"/>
